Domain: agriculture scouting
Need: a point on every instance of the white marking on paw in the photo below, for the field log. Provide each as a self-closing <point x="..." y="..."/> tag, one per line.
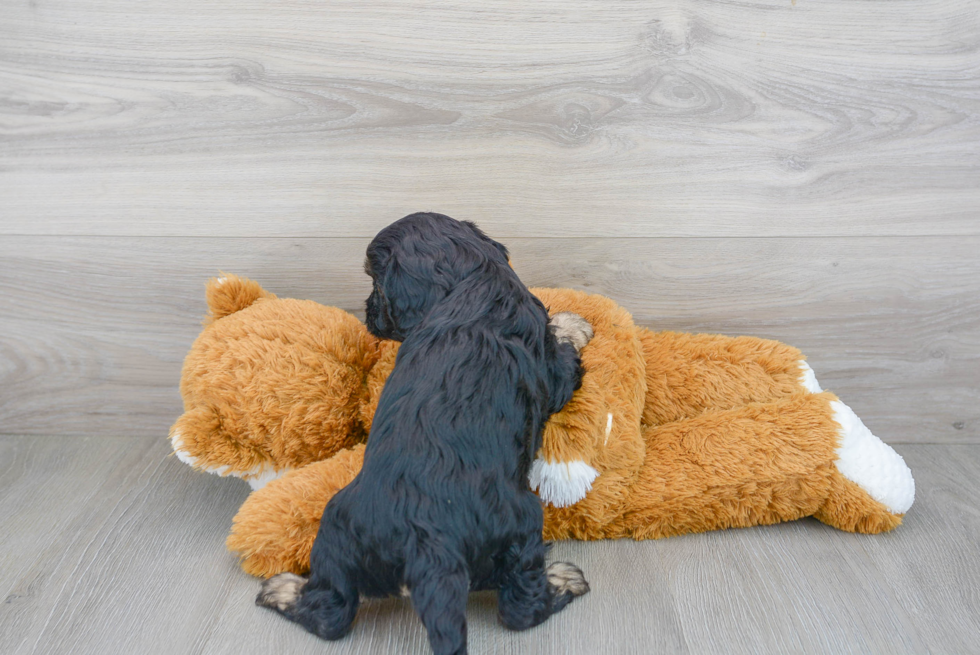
<point x="809" y="378"/>
<point x="561" y="483"/>
<point x="281" y="591"/>
<point x="572" y="328"/>
<point x="869" y="462"/>
<point x="566" y="578"/>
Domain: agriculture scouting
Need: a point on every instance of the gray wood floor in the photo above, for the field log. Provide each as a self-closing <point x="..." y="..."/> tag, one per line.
<point x="111" y="546"/>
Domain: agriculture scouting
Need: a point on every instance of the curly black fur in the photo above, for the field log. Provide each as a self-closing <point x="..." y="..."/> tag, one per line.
<point x="442" y="505"/>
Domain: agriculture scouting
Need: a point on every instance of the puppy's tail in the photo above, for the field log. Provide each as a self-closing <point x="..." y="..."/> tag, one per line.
<point x="229" y="294"/>
<point x="323" y="610"/>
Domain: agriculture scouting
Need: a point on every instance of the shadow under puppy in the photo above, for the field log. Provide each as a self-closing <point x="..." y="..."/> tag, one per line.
<point x="442" y="505"/>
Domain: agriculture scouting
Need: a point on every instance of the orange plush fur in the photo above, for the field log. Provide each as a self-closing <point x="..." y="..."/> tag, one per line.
<point x="669" y="434"/>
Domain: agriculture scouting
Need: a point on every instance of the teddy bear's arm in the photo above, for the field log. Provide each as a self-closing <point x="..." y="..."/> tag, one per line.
<point x="599" y="428"/>
<point x="563" y="483"/>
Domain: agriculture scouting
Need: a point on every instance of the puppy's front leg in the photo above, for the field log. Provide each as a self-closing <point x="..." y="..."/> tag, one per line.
<point x="569" y="327"/>
<point x="571" y="333"/>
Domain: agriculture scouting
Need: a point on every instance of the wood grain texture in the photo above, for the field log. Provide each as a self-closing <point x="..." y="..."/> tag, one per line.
<point x="114" y="537"/>
<point x="948" y="508"/>
<point x="93" y="331"/>
<point x="680" y="118"/>
<point x="799" y="170"/>
<point x="119" y="548"/>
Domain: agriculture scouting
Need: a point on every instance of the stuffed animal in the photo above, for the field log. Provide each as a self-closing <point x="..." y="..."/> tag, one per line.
<point x="670" y="433"/>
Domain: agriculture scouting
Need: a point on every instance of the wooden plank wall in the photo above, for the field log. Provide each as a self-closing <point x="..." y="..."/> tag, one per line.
<point x="800" y="170"/>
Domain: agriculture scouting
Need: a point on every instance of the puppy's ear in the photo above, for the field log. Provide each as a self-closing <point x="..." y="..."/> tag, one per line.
<point x="496" y="244"/>
<point x="406" y="297"/>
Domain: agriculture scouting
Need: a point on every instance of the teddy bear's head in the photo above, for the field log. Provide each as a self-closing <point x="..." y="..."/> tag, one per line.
<point x="273" y="384"/>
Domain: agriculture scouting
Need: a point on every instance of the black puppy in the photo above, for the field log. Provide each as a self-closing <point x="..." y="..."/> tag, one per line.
<point x="442" y="504"/>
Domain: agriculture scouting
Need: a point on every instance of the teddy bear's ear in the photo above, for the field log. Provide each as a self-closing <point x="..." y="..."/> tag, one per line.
<point x="229" y="293"/>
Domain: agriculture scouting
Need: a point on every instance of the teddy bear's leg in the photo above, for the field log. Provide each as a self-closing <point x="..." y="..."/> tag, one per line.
<point x="872" y="487"/>
<point x="765" y="463"/>
<point x="852" y="509"/>
<point x="275" y="527"/>
<point x="687" y="374"/>
<point x="753" y="465"/>
<point x="200" y="441"/>
<point x="756" y="464"/>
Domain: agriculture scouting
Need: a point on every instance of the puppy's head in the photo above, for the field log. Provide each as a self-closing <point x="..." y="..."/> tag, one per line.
<point x="415" y="262"/>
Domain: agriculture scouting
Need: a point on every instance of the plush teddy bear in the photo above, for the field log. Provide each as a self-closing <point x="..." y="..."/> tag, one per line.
<point x="670" y="433"/>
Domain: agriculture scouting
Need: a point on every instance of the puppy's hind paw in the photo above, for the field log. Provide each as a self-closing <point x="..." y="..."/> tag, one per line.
<point x="280" y="592"/>
<point x="571" y="328"/>
<point x="566" y="579"/>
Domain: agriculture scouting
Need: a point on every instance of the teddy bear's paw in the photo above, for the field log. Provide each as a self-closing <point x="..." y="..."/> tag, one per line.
<point x="561" y="483"/>
<point x="571" y="328"/>
<point x="280" y="592"/>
